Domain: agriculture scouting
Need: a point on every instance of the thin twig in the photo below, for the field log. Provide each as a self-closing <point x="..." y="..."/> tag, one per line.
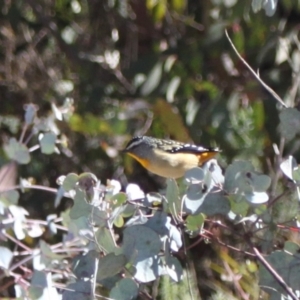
<point x="275" y="274"/>
<point x="35" y="187"/>
<point x="256" y="75"/>
<point x="17" y="242"/>
<point x="23" y="133"/>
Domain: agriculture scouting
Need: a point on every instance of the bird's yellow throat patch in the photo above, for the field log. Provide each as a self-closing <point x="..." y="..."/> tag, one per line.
<point x="143" y="162"/>
<point x="205" y="156"/>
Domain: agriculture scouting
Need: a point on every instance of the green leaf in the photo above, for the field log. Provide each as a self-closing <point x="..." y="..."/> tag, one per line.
<point x="215" y="203"/>
<point x="239" y="205"/>
<point x="234" y="172"/>
<point x="142" y="240"/>
<point x="260" y="182"/>
<point x="285" y="264"/>
<point x="161" y="224"/>
<point x="125" y="289"/>
<point x="80" y="290"/>
<point x="83" y="265"/>
<point x="119" y="221"/>
<point x="98" y="217"/>
<point x="178" y="5"/>
<point x="173" y="199"/>
<point x="290" y="168"/>
<point x="10" y="197"/>
<point x="240" y="178"/>
<point x="148" y="269"/>
<point x="194" y="198"/>
<point x="119" y="199"/>
<point x="174" y="268"/>
<point x="105" y="240"/>
<point x="30" y="113"/>
<point x="17" y="151"/>
<point x="195" y="222"/>
<point x="47" y="143"/>
<point x="291" y="247"/>
<point x="159" y="11"/>
<point x="289" y="123"/>
<point x="110" y="265"/>
<point x="80" y="207"/>
<point x="70" y="181"/>
<point x="194" y="176"/>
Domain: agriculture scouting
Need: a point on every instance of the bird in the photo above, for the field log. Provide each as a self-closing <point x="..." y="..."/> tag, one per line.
<point x="168" y="158"/>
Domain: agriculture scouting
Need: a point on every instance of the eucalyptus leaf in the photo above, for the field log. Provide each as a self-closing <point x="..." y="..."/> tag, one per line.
<point x="270" y="7"/>
<point x="215" y="203"/>
<point x="291" y="247"/>
<point x="173" y="199"/>
<point x="80" y="290"/>
<point x="213" y="173"/>
<point x="290" y="168"/>
<point x="289" y="123"/>
<point x="285" y="264"/>
<point x="80" y="207"/>
<point x="30" y="113"/>
<point x="110" y="265"/>
<point x="83" y="265"/>
<point x="70" y="181"/>
<point x="195" y="222"/>
<point x="194" y="198"/>
<point x="125" y="289"/>
<point x="141" y="239"/>
<point x="5" y="257"/>
<point x="47" y="142"/>
<point x="162" y="225"/>
<point x="257" y="197"/>
<point x="104" y="240"/>
<point x="17" y="151"/>
<point x="174" y="268"/>
<point x="194" y="176"/>
<point x="148" y="269"/>
<point x="233" y="172"/>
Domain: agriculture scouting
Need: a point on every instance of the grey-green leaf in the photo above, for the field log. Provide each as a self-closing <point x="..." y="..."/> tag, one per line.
<point x="142" y="240"/>
<point x="80" y="207"/>
<point x="125" y="289"/>
<point x="17" y="151"/>
<point x="47" y="143"/>
<point x="30" y="113"/>
<point x="194" y="198"/>
<point x="289" y="123"/>
<point x="5" y="257"/>
<point x="172" y="195"/>
<point x="110" y="265"/>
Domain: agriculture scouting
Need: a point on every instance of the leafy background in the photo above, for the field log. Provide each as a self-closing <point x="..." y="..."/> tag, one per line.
<point x="78" y="79"/>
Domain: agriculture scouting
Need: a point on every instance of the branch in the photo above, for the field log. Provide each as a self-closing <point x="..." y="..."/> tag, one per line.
<point x="279" y="279"/>
<point x="256" y="75"/>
